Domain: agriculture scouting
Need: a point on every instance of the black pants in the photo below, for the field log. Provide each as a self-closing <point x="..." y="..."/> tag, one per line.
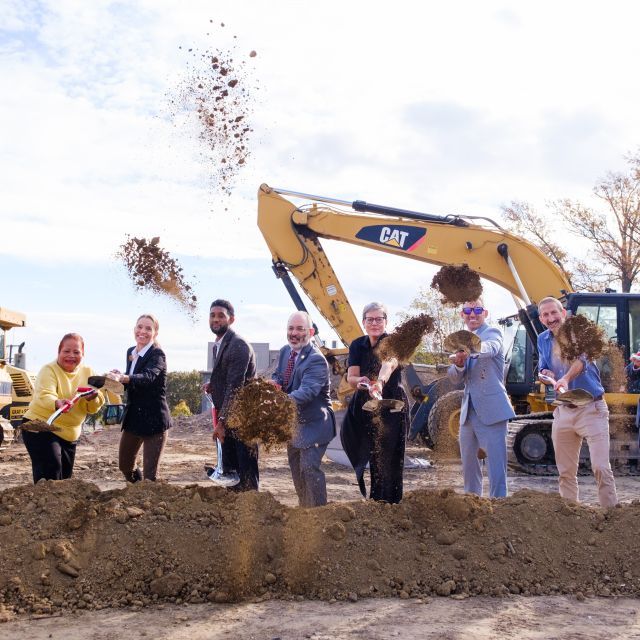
<point x="237" y="456"/>
<point x="52" y="457"/>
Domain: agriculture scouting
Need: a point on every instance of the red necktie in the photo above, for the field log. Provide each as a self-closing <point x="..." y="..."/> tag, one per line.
<point x="289" y="370"/>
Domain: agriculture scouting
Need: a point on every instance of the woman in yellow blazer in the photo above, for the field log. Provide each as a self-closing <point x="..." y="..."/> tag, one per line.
<point x="53" y="453"/>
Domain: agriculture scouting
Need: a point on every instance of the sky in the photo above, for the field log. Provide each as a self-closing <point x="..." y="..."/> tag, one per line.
<point x="457" y="107"/>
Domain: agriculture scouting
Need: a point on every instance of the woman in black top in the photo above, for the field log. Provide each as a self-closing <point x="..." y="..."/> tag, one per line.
<point x="146" y="415"/>
<point x="375" y="438"/>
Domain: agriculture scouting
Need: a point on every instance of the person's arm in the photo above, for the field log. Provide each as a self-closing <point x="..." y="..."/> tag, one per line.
<point x="491" y="344"/>
<point x="155" y="366"/>
<point x="46" y="392"/>
<point x="314" y="377"/>
<point x="576" y="368"/>
<point x="239" y="356"/>
<point x="386" y="369"/>
<point x="354" y="377"/>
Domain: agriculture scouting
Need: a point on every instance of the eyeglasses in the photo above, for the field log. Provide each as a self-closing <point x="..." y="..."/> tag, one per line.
<point x="375" y="320"/>
<point x="477" y="310"/>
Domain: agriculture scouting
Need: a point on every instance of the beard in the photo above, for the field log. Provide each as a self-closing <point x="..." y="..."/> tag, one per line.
<point x="220" y="331"/>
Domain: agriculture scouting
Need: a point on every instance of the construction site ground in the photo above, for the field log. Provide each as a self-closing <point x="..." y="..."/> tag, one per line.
<point x="146" y="561"/>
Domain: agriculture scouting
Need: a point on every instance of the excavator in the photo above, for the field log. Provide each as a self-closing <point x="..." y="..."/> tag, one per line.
<point x="294" y="234"/>
<point x="16" y="384"/>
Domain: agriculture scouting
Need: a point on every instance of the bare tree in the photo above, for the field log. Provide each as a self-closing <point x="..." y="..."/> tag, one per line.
<point x="447" y="320"/>
<point x="613" y="235"/>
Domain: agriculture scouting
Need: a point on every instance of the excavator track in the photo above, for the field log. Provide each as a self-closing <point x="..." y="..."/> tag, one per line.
<point x="530" y="448"/>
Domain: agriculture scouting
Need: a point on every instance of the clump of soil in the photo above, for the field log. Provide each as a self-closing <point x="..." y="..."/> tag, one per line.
<point x="262" y="413"/>
<point x="216" y="88"/>
<point x="68" y="546"/>
<point x="152" y="267"/>
<point x="406" y="338"/>
<point x="577" y="336"/>
<point x="39" y="426"/>
<point x="457" y="284"/>
<point x="612" y="369"/>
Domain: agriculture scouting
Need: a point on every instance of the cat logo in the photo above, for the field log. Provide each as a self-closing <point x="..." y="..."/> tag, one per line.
<point x="401" y="237"/>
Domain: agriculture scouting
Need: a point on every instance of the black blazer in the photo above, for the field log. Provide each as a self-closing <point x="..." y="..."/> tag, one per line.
<point x="147" y="412"/>
<point x="232" y="369"/>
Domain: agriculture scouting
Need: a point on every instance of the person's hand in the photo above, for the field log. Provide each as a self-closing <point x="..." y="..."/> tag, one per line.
<point x="206" y="387"/>
<point x="548" y="372"/>
<point x="219" y="431"/>
<point x="562" y="384"/>
<point x="362" y="382"/>
<point x="375" y="389"/>
<point x="459" y="358"/>
<point x="635" y="360"/>
<point x="91" y="396"/>
<point x="61" y="402"/>
<point x="116" y="375"/>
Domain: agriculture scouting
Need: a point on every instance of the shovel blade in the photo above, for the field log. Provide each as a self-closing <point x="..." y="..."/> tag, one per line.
<point x="223" y="479"/>
<point x="374" y="405"/>
<point x="578" y="397"/>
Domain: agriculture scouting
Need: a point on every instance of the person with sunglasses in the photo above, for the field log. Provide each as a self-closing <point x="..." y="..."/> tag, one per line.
<point x="375" y="438"/>
<point x="485" y="407"/>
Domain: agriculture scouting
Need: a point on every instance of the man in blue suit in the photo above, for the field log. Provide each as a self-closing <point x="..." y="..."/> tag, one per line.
<point x="303" y="373"/>
<point x="485" y="405"/>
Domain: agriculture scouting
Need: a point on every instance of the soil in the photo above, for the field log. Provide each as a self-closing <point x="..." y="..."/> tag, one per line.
<point x="151" y="267"/>
<point x="457" y="284"/>
<point x="40" y="426"/>
<point x="113" y="551"/>
<point x="406" y="338"/>
<point x="578" y="335"/>
<point x="263" y="414"/>
<point x="217" y="88"/>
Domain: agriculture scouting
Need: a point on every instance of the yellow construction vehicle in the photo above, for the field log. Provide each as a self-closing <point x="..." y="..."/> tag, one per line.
<point x="294" y="233"/>
<point x="16" y="384"/>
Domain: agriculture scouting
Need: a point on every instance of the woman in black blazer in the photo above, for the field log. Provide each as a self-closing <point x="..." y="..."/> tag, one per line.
<point x="146" y="415"/>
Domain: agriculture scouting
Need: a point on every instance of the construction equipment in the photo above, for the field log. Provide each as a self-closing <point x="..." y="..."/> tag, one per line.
<point x="16" y="384"/>
<point x="294" y="233"/>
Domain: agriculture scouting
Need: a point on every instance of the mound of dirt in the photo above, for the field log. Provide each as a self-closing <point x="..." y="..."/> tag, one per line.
<point x="152" y="267"/>
<point x="457" y="284"/>
<point x="578" y="335"/>
<point x="262" y="413"/>
<point x="406" y="338"/>
<point x="68" y="546"/>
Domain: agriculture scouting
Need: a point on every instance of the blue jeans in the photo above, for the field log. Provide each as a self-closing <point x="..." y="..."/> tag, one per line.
<point x="493" y="439"/>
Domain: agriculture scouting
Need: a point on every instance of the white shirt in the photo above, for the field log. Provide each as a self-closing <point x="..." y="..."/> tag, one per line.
<point x="135" y="354"/>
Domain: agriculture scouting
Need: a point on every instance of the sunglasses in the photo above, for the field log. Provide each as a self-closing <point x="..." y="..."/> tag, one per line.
<point x="477" y="310"/>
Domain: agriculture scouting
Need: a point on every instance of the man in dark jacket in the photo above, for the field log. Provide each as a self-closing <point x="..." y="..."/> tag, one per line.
<point x="303" y="373"/>
<point x="234" y="364"/>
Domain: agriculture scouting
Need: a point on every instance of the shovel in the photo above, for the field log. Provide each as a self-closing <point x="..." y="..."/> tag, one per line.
<point x="575" y="397"/>
<point x="378" y="402"/>
<point x="463" y="341"/>
<point x="217" y="475"/>
<point x="81" y="392"/>
<point x="107" y="383"/>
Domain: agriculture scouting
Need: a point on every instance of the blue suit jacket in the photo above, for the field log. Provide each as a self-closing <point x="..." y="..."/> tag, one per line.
<point x="309" y="387"/>
<point x="483" y="378"/>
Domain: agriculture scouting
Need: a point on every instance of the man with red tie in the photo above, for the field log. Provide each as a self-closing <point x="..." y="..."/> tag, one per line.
<point x="303" y="373"/>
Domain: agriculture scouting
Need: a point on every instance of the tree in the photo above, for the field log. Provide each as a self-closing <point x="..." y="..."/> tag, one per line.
<point x="613" y="234"/>
<point x="184" y="385"/>
<point x="447" y="320"/>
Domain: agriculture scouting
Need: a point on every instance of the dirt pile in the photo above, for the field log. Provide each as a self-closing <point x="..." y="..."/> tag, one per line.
<point x="66" y="545"/>
<point x="262" y="413"/>
<point x="151" y="267"/>
<point x="578" y="335"/>
<point x="217" y="88"/>
<point x="457" y="284"/>
<point x="406" y="338"/>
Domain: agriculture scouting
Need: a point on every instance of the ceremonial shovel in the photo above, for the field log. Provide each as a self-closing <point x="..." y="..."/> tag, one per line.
<point x="463" y="341"/>
<point x="218" y="475"/>
<point x="576" y="397"/>
<point x="378" y="402"/>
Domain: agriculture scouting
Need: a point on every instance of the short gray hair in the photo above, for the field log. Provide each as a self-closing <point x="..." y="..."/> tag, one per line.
<point x="374" y="306"/>
<point x="305" y="315"/>
<point x="550" y="299"/>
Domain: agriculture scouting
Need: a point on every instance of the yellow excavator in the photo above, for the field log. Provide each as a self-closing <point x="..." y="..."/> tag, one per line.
<point x="294" y="232"/>
<point x="16" y="384"/>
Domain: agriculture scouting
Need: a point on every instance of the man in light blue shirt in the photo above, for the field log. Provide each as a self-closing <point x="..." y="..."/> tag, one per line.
<point x="570" y="423"/>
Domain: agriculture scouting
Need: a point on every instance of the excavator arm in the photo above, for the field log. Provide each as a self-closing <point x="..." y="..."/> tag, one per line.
<point x="293" y="235"/>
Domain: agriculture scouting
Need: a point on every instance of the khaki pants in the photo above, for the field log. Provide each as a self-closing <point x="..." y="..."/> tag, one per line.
<point x="570" y="426"/>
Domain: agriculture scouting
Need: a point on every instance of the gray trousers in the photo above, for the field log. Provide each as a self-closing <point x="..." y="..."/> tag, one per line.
<point x="308" y="477"/>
